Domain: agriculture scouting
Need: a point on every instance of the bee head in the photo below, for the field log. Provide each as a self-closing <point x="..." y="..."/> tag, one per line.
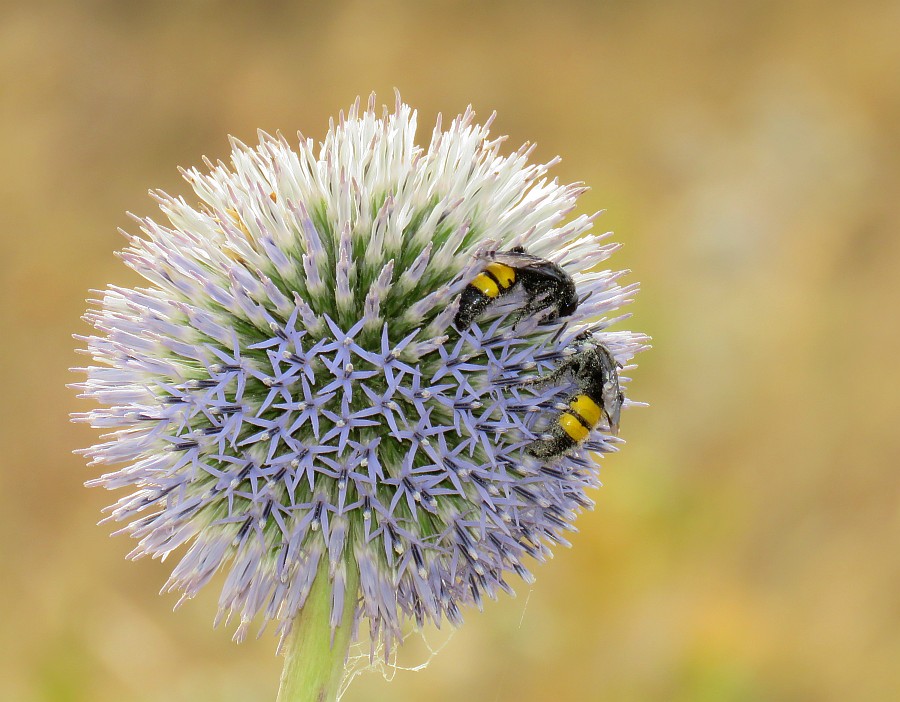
<point x="584" y="338"/>
<point x="568" y="306"/>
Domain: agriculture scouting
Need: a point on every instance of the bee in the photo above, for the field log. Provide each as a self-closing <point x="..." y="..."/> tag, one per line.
<point x="595" y="373"/>
<point x="545" y="284"/>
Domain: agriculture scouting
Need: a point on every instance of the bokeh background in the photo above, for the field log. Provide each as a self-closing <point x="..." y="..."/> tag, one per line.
<point x="746" y="544"/>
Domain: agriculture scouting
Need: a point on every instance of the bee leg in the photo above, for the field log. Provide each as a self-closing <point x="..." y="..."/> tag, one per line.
<point x="534" y="305"/>
<point x="570" y="366"/>
<point x="542" y="379"/>
<point x="548" y="449"/>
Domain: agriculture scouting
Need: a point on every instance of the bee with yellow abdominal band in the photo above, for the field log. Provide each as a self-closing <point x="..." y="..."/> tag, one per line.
<point x="546" y="286"/>
<point x="594" y="372"/>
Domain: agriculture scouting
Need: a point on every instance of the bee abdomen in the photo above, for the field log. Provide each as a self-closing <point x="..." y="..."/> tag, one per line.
<point x="573" y="427"/>
<point x="584" y="414"/>
<point x="586" y="409"/>
<point x="486" y="285"/>
<point x="502" y="274"/>
<point x="494" y="280"/>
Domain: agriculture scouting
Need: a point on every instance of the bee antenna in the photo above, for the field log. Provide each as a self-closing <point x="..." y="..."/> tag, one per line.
<point x="585" y="297"/>
<point x="559" y="333"/>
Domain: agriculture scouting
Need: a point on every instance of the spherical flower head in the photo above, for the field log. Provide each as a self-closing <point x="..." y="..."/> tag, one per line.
<point x="289" y="395"/>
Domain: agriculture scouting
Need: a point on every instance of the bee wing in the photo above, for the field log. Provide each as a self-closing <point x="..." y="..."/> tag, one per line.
<point x="514" y="259"/>
<point x="551" y="270"/>
<point x="611" y="393"/>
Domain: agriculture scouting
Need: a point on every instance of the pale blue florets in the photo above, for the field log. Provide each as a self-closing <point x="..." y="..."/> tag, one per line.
<point x="290" y="392"/>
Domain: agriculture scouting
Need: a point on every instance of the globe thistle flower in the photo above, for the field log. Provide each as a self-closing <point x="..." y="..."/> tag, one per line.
<point x="289" y="401"/>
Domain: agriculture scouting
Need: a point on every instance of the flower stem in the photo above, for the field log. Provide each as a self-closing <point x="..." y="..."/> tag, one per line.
<point x="313" y="665"/>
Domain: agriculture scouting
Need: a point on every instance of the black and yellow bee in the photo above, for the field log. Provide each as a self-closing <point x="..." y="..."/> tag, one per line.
<point x="595" y="373"/>
<point x="545" y="284"/>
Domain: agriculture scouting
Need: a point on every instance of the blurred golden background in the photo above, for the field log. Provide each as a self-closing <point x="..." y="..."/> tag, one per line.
<point x="746" y="545"/>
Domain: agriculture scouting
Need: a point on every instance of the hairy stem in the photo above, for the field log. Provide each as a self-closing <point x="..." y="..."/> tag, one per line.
<point x="313" y="664"/>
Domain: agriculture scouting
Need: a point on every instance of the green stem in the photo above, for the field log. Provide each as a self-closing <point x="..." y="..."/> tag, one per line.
<point x="313" y="666"/>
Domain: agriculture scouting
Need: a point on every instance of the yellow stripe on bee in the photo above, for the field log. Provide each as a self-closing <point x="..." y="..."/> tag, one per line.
<point x="486" y="285"/>
<point x="587" y="409"/>
<point x="504" y="274"/>
<point x="573" y="427"/>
